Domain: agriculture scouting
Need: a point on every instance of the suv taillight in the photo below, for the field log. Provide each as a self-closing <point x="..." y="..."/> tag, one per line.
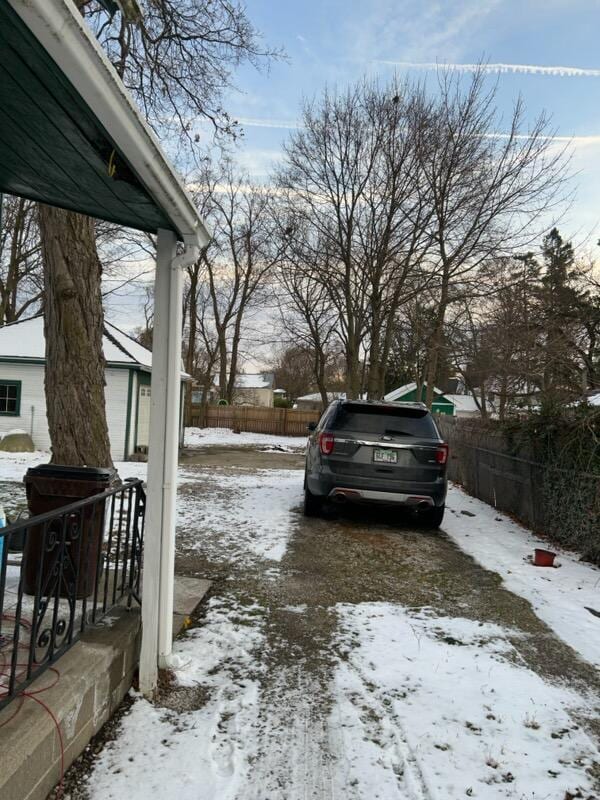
<point x="326" y="443"/>
<point x="441" y="454"/>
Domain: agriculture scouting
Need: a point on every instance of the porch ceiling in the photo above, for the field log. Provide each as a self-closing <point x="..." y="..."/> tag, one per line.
<point x="70" y="135"/>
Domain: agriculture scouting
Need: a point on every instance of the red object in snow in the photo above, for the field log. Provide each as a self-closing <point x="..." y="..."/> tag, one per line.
<point x="543" y="558"/>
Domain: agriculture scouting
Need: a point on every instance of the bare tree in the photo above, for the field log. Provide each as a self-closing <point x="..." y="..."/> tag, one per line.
<point x="239" y="261"/>
<point x="21" y="278"/>
<point x="308" y="317"/>
<point x="352" y="178"/>
<point x="491" y="191"/>
<point x="177" y="59"/>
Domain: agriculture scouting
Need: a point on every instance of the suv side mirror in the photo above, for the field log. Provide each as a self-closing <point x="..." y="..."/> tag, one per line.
<point x="312" y="426"/>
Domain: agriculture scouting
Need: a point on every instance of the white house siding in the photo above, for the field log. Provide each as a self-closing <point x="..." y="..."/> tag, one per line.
<point x="116" y="392"/>
<point x="253" y="397"/>
<point x="33" y="402"/>
<point x="34" y="421"/>
<point x="134" y="394"/>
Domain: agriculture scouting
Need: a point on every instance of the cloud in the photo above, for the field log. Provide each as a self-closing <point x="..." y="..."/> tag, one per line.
<point x="421" y="31"/>
<point x="498" y="69"/>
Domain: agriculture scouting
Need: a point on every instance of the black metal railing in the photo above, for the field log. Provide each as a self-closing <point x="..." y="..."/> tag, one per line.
<point x="62" y="571"/>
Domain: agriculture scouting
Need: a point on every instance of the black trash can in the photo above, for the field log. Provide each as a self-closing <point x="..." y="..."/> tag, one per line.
<point x="50" y="487"/>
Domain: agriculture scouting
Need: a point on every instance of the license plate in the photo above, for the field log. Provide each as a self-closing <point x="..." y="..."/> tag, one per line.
<point x="385" y="456"/>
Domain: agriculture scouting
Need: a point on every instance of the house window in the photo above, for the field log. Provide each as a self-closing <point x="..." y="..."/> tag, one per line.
<point x="10" y="398"/>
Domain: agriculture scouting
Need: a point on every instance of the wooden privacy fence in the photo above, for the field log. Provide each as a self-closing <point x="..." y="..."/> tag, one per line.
<point x="254" y="419"/>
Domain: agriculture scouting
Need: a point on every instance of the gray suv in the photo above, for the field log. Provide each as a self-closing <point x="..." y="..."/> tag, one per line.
<point x="377" y="452"/>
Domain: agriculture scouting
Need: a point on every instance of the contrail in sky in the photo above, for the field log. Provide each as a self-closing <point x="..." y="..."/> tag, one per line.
<point x="526" y="69"/>
<point x="253" y="122"/>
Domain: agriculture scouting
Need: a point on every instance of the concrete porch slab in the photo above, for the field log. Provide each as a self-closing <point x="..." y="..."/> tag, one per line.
<point x="187" y="596"/>
<point x="94" y="676"/>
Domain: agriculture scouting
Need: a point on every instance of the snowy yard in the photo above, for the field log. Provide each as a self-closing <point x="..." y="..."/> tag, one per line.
<point x="356" y="657"/>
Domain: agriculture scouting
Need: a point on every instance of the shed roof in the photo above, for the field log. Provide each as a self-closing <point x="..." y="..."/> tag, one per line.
<point x="466" y="402"/>
<point x="397" y="394"/>
<point x="259" y="380"/>
<point x="25" y="341"/>
<point x="315" y="397"/>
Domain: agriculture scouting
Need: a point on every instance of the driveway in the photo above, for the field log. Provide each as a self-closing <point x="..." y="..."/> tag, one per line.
<point x="354" y="656"/>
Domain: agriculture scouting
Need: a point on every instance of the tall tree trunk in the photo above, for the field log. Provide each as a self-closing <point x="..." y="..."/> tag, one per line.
<point x="374" y="375"/>
<point x="222" y="347"/>
<point x="234" y="355"/>
<point x="190" y="358"/>
<point x="353" y="372"/>
<point x="436" y="342"/>
<point x="319" y="370"/>
<point x="73" y="326"/>
<point x="484" y="409"/>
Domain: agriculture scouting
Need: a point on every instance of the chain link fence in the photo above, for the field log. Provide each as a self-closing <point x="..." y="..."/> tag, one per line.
<point x="560" y="503"/>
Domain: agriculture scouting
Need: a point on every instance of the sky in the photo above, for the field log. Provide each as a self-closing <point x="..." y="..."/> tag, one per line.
<point x="334" y="42"/>
<point x="547" y="51"/>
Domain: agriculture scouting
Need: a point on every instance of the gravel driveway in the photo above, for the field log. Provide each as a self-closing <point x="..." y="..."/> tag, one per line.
<point x="354" y="656"/>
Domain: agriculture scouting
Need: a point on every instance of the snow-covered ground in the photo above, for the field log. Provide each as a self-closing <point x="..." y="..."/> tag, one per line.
<point x="436" y="707"/>
<point x="560" y="597"/>
<point x="246" y="516"/>
<point x="205" y="437"/>
<point x="197" y="753"/>
<point x="13" y="466"/>
<point x="418" y="707"/>
<point x="401" y="702"/>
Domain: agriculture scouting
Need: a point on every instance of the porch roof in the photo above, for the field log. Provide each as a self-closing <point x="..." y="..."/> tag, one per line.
<point x="71" y="135"/>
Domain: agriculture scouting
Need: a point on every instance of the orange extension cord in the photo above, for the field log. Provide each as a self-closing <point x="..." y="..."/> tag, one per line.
<point x="32" y="695"/>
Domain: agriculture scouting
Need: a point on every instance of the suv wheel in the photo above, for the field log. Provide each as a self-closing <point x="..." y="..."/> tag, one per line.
<point x="432" y="517"/>
<point x="313" y="505"/>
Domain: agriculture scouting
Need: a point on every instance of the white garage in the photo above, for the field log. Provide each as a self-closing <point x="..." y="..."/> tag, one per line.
<point x="127" y="391"/>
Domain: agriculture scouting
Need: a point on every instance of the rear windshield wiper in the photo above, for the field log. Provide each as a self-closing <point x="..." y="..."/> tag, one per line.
<point x="394" y="432"/>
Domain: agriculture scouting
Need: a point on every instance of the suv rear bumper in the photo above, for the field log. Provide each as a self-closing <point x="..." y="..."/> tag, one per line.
<point x="359" y="490"/>
<point x="372" y="496"/>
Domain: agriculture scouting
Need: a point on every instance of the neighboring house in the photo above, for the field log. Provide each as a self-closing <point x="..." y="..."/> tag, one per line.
<point x="455" y="405"/>
<point x="465" y="405"/>
<point x="198" y="391"/>
<point x="517" y="394"/>
<point x="313" y="402"/>
<point x="127" y="390"/>
<point x="254" y="389"/>
<point x="591" y="397"/>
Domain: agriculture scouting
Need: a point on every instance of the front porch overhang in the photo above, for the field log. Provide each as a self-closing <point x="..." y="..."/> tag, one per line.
<point x="72" y="137"/>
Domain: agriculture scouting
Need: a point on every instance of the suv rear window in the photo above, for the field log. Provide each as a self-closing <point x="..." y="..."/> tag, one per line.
<point x="382" y="420"/>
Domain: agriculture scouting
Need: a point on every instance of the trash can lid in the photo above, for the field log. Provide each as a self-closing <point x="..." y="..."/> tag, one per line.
<point x="73" y="473"/>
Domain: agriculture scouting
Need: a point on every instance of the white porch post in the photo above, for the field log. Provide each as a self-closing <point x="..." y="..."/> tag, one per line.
<point x="159" y="544"/>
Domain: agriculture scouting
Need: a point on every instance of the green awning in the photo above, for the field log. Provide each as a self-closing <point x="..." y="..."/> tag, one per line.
<point x="53" y="148"/>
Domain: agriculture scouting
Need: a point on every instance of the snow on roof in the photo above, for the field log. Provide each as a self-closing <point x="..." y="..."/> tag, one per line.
<point x="594" y="399"/>
<point x="316" y="396"/>
<point x="465" y="402"/>
<point x="396" y="394"/>
<point x="25" y="339"/>
<point x="260" y="380"/>
<point x="123" y="347"/>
